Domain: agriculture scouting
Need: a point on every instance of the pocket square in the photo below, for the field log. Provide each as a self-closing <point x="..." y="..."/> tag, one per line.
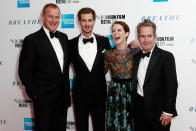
<point x="103" y="51"/>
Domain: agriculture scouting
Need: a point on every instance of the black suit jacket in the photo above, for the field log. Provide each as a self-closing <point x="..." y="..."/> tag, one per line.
<point x="39" y="69"/>
<point x="160" y="84"/>
<point x="89" y="84"/>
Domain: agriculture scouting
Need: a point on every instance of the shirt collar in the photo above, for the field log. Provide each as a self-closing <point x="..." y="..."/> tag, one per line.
<point x="82" y="36"/>
<point x="47" y="31"/>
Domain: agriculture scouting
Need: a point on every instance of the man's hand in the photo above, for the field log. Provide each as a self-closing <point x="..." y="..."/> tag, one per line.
<point x="165" y="119"/>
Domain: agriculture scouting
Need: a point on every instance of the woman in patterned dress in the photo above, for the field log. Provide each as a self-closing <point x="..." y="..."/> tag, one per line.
<point x="119" y="114"/>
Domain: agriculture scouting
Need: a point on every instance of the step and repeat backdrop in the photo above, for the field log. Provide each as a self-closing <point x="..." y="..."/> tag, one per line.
<point x="176" y="29"/>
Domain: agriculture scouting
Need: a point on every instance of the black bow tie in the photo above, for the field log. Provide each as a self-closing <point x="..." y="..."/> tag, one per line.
<point x="145" y="54"/>
<point x="52" y="35"/>
<point x="88" y="40"/>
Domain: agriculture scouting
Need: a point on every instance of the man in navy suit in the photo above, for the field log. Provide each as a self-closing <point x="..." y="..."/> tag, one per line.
<point x="44" y="71"/>
<point x="154" y="82"/>
<point x="89" y="87"/>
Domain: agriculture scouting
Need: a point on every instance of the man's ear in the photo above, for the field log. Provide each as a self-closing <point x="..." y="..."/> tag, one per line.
<point x="42" y="17"/>
<point x="79" y="22"/>
<point x="155" y="37"/>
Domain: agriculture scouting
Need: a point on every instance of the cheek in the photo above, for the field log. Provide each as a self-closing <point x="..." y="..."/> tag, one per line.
<point x="48" y="19"/>
<point x="58" y="20"/>
<point x="92" y="24"/>
<point x="141" y="42"/>
<point x="152" y="42"/>
<point x="82" y="25"/>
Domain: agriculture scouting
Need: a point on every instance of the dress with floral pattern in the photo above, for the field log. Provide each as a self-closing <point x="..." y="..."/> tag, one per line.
<point x="119" y="115"/>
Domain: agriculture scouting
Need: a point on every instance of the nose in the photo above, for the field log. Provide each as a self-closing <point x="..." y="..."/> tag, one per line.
<point x="87" y="23"/>
<point x="146" y="38"/>
<point x="53" y="20"/>
<point x="115" y="32"/>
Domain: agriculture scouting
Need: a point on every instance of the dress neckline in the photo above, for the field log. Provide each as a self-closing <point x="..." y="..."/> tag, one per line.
<point x="124" y="51"/>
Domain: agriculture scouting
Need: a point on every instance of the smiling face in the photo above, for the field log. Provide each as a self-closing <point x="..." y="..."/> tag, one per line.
<point x="119" y="35"/>
<point x="146" y="38"/>
<point x="87" y="23"/>
<point x="51" y="18"/>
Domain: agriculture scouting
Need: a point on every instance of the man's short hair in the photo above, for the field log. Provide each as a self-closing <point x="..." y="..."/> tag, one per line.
<point x="86" y="10"/>
<point x="147" y="22"/>
<point x="49" y="5"/>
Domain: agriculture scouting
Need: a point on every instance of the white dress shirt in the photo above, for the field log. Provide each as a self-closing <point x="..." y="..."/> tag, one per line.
<point x="143" y="65"/>
<point x="57" y="48"/>
<point x="88" y="51"/>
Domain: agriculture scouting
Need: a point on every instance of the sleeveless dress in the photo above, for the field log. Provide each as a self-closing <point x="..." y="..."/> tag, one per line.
<point x="119" y="113"/>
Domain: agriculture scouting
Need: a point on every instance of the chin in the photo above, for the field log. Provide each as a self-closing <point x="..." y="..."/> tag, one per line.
<point x="117" y="43"/>
<point x="87" y="31"/>
<point x="52" y="29"/>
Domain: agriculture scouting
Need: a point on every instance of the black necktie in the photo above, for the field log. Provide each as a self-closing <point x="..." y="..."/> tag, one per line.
<point x="88" y="40"/>
<point x="147" y="54"/>
<point x="52" y="35"/>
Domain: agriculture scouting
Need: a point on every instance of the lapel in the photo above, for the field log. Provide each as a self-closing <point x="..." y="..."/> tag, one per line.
<point x="50" y="50"/>
<point x="153" y="60"/>
<point x="136" y="64"/>
<point x="135" y="70"/>
<point x="99" y="51"/>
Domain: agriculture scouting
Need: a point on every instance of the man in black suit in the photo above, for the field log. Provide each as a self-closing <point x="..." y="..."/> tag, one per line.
<point x="44" y="71"/>
<point x="89" y="87"/>
<point x="155" y="82"/>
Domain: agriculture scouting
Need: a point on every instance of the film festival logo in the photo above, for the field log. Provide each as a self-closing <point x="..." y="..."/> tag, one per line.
<point x="163" y="18"/>
<point x="29" y="124"/>
<point x="17" y="42"/>
<point x="67" y="1"/>
<point x="67" y="21"/>
<point x="109" y="19"/>
<point x="24" y="22"/>
<point x="165" y="41"/>
<point x="70" y="125"/>
<point x="23" y="3"/>
<point x="23" y="103"/>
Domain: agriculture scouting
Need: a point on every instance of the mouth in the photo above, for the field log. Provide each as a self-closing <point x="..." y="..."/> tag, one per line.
<point x="146" y="44"/>
<point x="87" y="28"/>
<point x="53" y="25"/>
<point x="116" y="38"/>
